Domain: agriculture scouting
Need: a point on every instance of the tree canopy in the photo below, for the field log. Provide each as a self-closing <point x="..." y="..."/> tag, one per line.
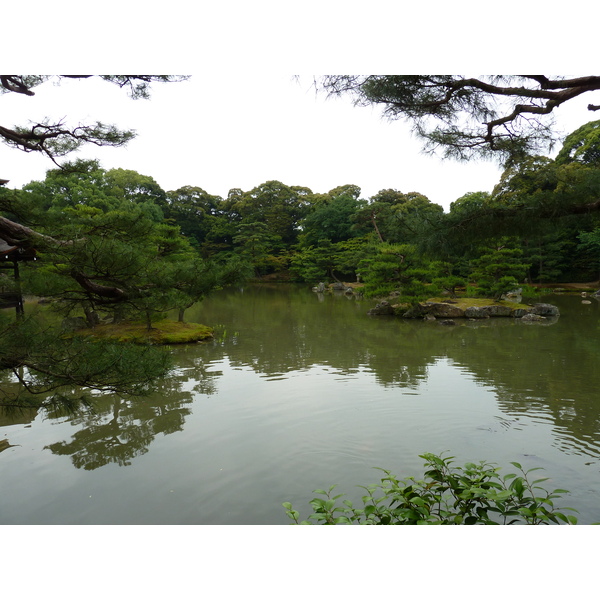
<point x="505" y="116"/>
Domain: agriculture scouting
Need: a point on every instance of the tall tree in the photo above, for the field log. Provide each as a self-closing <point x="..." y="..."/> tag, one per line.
<point x="279" y="206"/>
<point x="332" y="216"/>
<point x="46" y="366"/>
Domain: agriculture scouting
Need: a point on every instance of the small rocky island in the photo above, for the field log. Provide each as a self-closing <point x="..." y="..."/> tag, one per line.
<point x="445" y="310"/>
<point x="466" y="308"/>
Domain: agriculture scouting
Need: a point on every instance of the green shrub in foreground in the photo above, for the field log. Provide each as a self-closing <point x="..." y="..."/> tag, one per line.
<point x="448" y="495"/>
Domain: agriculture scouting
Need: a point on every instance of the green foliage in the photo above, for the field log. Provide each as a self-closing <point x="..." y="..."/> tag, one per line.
<point x="255" y="243"/>
<point x="396" y="217"/>
<point x="107" y="254"/>
<point x="201" y="218"/>
<point x="116" y="253"/>
<point x="499" y="269"/>
<point x="327" y="261"/>
<point x="446" y="279"/>
<point x="397" y="267"/>
<point x="475" y="494"/>
<point x="550" y="257"/>
<point x="590" y="243"/>
<point x="49" y="367"/>
<point x="312" y="264"/>
<point x="278" y="206"/>
<point x="331" y="218"/>
<point x="583" y="145"/>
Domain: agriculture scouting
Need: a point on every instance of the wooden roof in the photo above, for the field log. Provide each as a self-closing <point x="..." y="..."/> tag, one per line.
<point x="8" y="252"/>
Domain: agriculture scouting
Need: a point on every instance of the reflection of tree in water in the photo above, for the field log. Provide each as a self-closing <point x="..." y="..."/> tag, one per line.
<point x="545" y="371"/>
<point x="535" y="370"/>
<point x="122" y="429"/>
<point x="546" y="374"/>
<point x="124" y="432"/>
<point x="280" y="330"/>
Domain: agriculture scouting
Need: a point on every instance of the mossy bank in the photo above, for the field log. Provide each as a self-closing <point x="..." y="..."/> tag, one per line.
<point x="163" y="332"/>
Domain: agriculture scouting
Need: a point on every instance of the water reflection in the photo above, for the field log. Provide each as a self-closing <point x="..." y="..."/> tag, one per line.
<point x="119" y="430"/>
<point x="547" y="369"/>
<point x="546" y="373"/>
<point x="296" y="392"/>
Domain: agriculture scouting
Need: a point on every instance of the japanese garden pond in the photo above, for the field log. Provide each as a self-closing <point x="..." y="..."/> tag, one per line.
<point x="299" y="391"/>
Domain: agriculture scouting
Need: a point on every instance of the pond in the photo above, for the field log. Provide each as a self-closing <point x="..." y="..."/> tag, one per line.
<point x="299" y="391"/>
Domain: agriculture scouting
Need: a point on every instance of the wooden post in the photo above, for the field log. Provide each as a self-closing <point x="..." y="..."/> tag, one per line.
<point x="19" y="308"/>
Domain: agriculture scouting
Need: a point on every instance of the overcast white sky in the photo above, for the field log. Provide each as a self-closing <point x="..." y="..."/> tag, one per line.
<point x="233" y="130"/>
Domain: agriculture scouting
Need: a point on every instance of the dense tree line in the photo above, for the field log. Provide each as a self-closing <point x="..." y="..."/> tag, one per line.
<point x="147" y="249"/>
<point x="536" y="226"/>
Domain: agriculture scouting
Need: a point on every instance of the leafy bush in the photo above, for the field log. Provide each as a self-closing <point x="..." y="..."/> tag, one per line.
<point x="498" y="270"/>
<point x="448" y="495"/>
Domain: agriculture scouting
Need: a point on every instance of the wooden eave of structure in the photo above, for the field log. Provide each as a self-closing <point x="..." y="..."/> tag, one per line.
<point x="10" y="253"/>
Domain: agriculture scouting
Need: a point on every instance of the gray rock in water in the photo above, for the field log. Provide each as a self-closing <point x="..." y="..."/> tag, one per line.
<point x="545" y="310"/>
<point x="532" y="317"/>
<point x="417" y="311"/>
<point x="476" y="312"/>
<point x="496" y="310"/>
<point x="383" y="308"/>
<point x="447" y="322"/>
<point x="485" y="312"/>
<point x="443" y="310"/>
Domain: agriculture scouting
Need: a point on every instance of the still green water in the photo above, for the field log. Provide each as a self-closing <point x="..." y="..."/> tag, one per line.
<point x="299" y="391"/>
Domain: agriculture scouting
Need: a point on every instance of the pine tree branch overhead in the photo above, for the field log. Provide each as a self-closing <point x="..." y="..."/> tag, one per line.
<point x="499" y="116"/>
<point x="56" y="139"/>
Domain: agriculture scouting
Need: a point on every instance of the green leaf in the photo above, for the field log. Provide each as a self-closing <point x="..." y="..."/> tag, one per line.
<point x="517" y="486"/>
